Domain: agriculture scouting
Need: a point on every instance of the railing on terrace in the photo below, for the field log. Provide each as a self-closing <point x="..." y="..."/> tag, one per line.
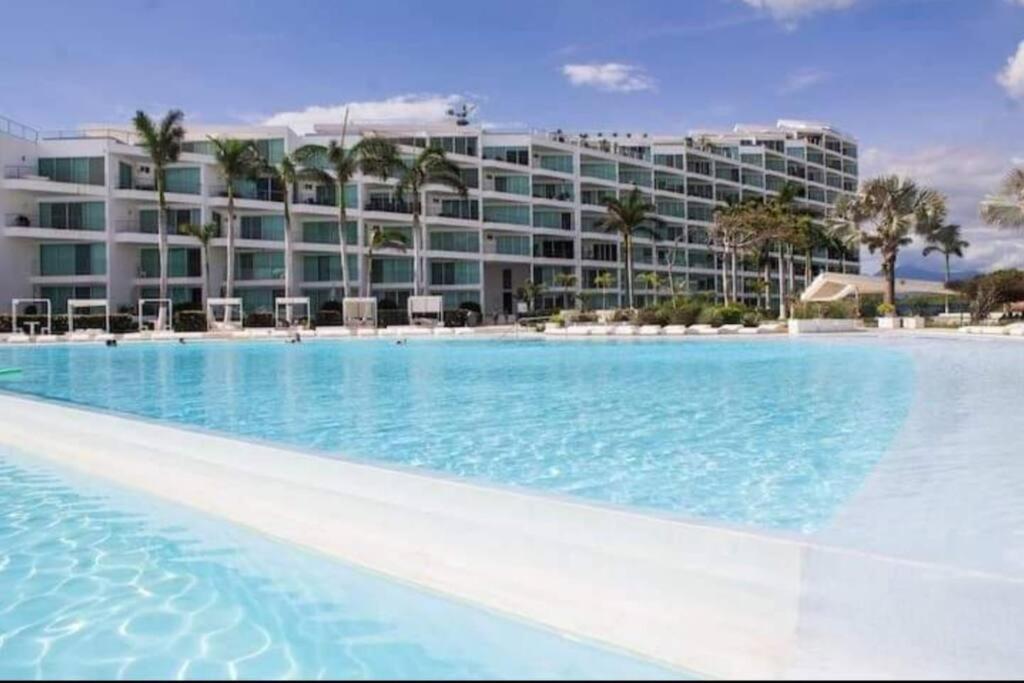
<point x="18" y="130"/>
<point x="122" y="136"/>
<point x="15" y="172"/>
<point x="20" y="220"/>
<point x="258" y="194"/>
<point x="388" y="205"/>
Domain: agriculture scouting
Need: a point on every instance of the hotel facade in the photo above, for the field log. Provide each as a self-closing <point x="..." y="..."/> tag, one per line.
<point x="79" y="214"/>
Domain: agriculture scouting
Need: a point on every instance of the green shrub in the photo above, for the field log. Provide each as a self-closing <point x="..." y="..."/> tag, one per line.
<point x="884" y="309"/>
<point x="557" y="320"/>
<point x="685" y="313"/>
<point x="328" y="318"/>
<point x="456" y="318"/>
<point x="189" y="321"/>
<point x="586" y="318"/>
<point x="652" y="316"/>
<point x="803" y="310"/>
<point x="752" y="318"/>
<point x="732" y="314"/>
<point x="259" y="319"/>
<point x="711" y="315"/>
<point x="332" y="305"/>
<point x="470" y="306"/>
<point x="621" y="315"/>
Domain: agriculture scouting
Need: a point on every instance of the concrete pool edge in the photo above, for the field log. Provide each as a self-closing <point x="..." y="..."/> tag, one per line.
<point x="720" y="601"/>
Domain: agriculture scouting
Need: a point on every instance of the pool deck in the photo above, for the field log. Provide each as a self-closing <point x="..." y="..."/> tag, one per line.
<point x="921" y="574"/>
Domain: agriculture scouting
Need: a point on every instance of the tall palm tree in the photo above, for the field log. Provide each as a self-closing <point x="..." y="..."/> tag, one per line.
<point x="738" y="228"/>
<point x="627" y="217"/>
<point x="237" y="160"/>
<point x="888" y="211"/>
<point x="784" y="220"/>
<point x="529" y="291"/>
<point x="1005" y="209"/>
<point x="379" y="238"/>
<point x="566" y="281"/>
<point x="652" y="280"/>
<point x="381" y="158"/>
<point x="163" y="144"/>
<point x="343" y="163"/>
<point x="204" y="234"/>
<point x="946" y="240"/>
<point x="604" y="281"/>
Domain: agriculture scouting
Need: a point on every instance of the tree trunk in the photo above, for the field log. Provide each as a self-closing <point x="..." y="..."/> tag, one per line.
<point x="725" y="277"/>
<point x="809" y="267"/>
<point x="229" y="284"/>
<point x="889" y="268"/>
<point x="342" y="250"/>
<point x="161" y="223"/>
<point x="782" y="285"/>
<point x="945" y="281"/>
<point x="204" y="254"/>
<point x="417" y="275"/>
<point x="288" y="275"/>
<point x="735" y="287"/>
<point x="628" y="244"/>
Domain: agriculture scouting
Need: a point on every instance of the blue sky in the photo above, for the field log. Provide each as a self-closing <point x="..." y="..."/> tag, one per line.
<point x="917" y="81"/>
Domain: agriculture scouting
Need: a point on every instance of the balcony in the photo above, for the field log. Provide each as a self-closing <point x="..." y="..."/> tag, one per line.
<point x="387" y="206"/>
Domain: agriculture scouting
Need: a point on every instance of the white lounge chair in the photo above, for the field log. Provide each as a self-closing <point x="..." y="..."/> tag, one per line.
<point x="599" y="330"/>
<point x="675" y="330"/>
<point x="997" y="330"/>
<point x="650" y="330"/>
<point x="333" y="331"/>
<point x="702" y="329"/>
<point x="624" y="330"/>
<point x="443" y="331"/>
<point x="730" y="329"/>
<point x="771" y="328"/>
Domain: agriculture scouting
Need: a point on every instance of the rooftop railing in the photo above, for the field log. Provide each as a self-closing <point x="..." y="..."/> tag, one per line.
<point x="18" y="130"/>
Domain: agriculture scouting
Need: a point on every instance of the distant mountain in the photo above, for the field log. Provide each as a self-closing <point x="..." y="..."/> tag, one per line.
<point x="914" y="272"/>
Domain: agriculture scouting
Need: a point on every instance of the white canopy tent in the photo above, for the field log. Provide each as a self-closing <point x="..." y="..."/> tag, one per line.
<point x="359" y="311"/>
<point x="16" y="304"/>
<point x="88" y="303"/>
<point x="288" y="302"/>
<point x="162" y="304"/>
<point x="226" y="304"/>
<point x="836" y="286"/>
<point x="426" y="310"/>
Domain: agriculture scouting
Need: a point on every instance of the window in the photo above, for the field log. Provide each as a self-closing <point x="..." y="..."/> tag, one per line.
<point x="181" y="262"/>
<point x="73" y="215"/>
<point x="454" y="273"/>
<point x="326" y="232"/>
<point x="505" y="213"/>
<point x="391" y="271"/>
<point x="510" y="155"/>
<point x="72" y="259"/>
<point x="82" y="170"/>
<point x="455" y="241"/>
<point x="176" y="218"/>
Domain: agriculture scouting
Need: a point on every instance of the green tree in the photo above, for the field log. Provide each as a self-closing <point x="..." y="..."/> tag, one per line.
<point x="946" y="240"/>
<point x="204" y="234"/>
<point x="381" y="158"/>
<point x="529" y="291"/>
<point x="380" y="238"/>
<point x="628" y="217"/>
<point x="343" y="162"/>
<point x="889" y="211"/>
<point x="1005" y="209"/>
<point x="162" y="143"/>
<point x="237" y="160"/>
<point x="567" y="281"/>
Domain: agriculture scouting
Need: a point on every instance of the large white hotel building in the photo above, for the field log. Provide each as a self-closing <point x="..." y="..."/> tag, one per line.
<point x="79" y="212"/>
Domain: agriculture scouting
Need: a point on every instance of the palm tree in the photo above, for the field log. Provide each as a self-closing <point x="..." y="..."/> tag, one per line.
<point x="627" y="217"/>
<point x="529" y="291"/>
<point x="888" y="211"/>
<point x="380" y="157"/>
<point x="651" y="280"/>
<point x="344" y="163"/>
<point x="604" y="281"/>
<point x="380" y="238"/>
<point x="946" y="240"/>
<point x="737" y="228"/>
<point x="1006" y="208"/>
<point x="237" y="160"/>
<point x="204" y="234"/>
<point x="784" y="221"/>
<point x="163" y="144"/>
<point x="566" y="281"/>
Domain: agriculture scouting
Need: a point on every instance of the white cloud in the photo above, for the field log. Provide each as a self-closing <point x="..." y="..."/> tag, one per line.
<point x="610" y="77"/>
<point x="801" y="79"/>
<point x="965" y="175"/>
<point x="790" y="11"/>
<point x="399" y="109"/>
<point x="1012" y="75"/>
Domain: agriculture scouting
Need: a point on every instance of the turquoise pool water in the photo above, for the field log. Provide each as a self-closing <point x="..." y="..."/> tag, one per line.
<point x="98" y="584"/>
<point x="772" y="433"/>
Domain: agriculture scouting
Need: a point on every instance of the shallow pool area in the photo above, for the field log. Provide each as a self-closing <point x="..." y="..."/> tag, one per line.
<point x="771" y="433"/>
<point x="99" y="583"/>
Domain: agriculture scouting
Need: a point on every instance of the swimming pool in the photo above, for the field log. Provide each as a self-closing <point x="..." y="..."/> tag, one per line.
<point x="770" y="433"/>
<point x="98" y="583"/>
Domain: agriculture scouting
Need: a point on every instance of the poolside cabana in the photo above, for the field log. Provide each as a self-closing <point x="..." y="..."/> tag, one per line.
<point x="426" y="310"/>
<point x="17" y="303"/>
<point x="359" y="311"/>
<point x="835" y="286"/>
<point x="74" y="304"/>
<point x="162" y="305"/>
<point x="226" y="304"/>
<point x="288" y="302"/>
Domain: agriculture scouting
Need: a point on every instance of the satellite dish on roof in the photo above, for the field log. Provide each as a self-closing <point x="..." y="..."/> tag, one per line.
<point x="461" y="114"/>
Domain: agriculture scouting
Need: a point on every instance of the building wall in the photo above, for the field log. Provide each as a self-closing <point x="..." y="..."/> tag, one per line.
<point x="539" y="193"/>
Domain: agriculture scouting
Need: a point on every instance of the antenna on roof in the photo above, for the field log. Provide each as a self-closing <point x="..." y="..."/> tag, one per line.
<point x="461" y="114"/>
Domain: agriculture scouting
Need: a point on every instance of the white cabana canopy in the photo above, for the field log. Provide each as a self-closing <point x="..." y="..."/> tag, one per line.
<point x="359" y="311"/>
<point x="429" y="308"/>
<point x="836" y="286"/>
<point x="88" y="303"/>
<point x="288" y="302"/>
<point x="162" y="305"/>
<point x="17" y="303"/>
<point x="226" y="304"/>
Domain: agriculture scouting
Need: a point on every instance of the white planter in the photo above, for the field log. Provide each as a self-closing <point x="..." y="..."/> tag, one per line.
<point x="888" y="323"/>
<point x="814" y="325"/>
<point x="914" y="323"/>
